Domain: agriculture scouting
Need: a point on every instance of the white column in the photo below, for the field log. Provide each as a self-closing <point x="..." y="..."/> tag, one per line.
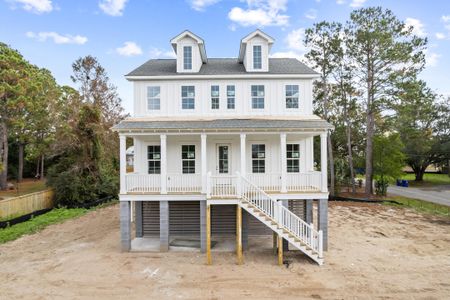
<point x="323" y="161"/>
<point x="203" y="162"/>
<point x="163" y="138"/>
<point x="123" y="162"/>
<point x="243" y="155"/>
<point x="283" y="162"/>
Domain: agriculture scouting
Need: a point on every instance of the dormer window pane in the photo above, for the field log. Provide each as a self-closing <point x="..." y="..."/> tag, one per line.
<point x="292" y="96"/>
<point x="257" y="57"/>
<point x="215" y="100"/>
<point x="258" y="96"/>
<point x="188" y="97"/>
<point x="187" y="57"/>
<point x="153" y="98"/>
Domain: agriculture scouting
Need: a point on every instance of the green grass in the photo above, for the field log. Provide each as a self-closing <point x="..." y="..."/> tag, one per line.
<point x="55" y="216"/>
<point x="422" y="206"/>
<point x="429" y="179"/>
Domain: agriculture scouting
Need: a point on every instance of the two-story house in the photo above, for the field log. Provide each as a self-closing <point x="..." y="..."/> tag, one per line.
<point x="224" y="146"/>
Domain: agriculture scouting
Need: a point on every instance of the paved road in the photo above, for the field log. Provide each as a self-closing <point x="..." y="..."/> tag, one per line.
<point x="439" y="194"/>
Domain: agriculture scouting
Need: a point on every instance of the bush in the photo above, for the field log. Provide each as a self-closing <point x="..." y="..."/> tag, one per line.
<point x="381" y="186"/>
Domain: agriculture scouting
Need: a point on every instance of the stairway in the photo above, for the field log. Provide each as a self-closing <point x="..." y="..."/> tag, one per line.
<point x="281" y="220"/>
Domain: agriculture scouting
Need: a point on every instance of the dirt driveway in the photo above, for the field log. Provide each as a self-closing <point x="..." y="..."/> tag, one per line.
<point x="375" y="252"/>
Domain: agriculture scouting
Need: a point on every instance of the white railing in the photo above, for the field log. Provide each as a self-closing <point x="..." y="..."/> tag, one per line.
<point x="270" y="182"/>
<point x="184" y="183"/>
<point x="224" y="186"/>
<point x="305" y="182"/>
<point x="142" y="183"/>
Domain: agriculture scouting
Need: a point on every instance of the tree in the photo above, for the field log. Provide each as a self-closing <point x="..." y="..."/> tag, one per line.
<point x="382" y="49"/>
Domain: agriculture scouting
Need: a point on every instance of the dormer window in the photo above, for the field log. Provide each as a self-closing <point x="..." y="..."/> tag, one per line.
<point x="257" y="57"/>
<point x="187" y="57"/>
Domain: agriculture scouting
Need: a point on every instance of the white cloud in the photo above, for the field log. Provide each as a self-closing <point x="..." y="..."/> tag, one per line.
<point x="129" y="49"/>
<point x="294" y="39"/>
<point x="357" y="3"/>
<point x="160" y="53"/>
<point x="311" y="14"/>
<point x="58" y="38"/>
<point x="418" y="27"/>
<point x="112" y="7"/>
<point x="431" y="58"/>
<point x="340" y="2"/>
<point x="260" y="13"/>
<point x="287" y="54"/>
<point x="440" y="35"/>
<point x="445" y="18"/>
<point x="200" y="5"/>
<point x="35" y="6"/>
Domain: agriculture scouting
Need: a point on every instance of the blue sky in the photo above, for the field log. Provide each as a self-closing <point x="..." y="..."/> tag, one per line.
<point x="123" y="34"/>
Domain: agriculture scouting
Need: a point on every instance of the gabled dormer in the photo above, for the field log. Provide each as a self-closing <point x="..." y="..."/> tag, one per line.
<point x="254" y="51"/>
<point x="190" y="51"/>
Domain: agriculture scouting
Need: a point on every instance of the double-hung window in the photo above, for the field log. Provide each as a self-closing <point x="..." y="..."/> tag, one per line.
<point x="231" y="94"/>
<point x="153" y="98"/>
<point x="187" y="57"/>
<point x="188" y="97"/>
<point x="215" y="99"/>
<point x="291" y="96"/>
<point x="188" y="159"/>
<point x="293" y="158"/>
<point x="258" y="158"/>
<point x="258" y="96"/>
<point x="154" y="159"/>
<point x="257" y="57"/>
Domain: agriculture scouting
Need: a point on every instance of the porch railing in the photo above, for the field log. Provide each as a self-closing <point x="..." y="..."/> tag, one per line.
<point x="138" y="183"/>
<point x="305" y="182"/>
<point x="224" y="186"/>
<point x="269" y="182"/>
<point x="184" y="183"/>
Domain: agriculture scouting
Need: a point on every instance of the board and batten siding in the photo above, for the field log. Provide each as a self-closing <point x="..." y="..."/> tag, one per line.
<point x="275" y="103"/>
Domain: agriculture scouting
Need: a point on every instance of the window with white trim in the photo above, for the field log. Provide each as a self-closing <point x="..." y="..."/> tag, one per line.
<point x="188" y="159"/>
<point x="258" y="158"/>
<point x="231" y="94"/>
<point x="154" y="159"/>
<point x="153" y="98"/>
<point x="291" y="96"/>
<point x="188" y="97"/>
<point x="187" y="57"/>
<point x="258" y="96"/>
<point x="293" y="158"/>
<point x="257" y="57"/>
<point x="215" y="99"/>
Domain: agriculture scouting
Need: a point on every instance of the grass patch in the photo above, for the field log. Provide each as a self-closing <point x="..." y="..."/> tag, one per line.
<point x="422" y="206"/>
<point x="55" y="216"/>
<point x="429" y="179"/>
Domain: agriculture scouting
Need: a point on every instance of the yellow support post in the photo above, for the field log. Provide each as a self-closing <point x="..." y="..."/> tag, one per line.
<point x="239" y="235"/>
<point x="208" y="235"/>
<point x="275" y="238"/>
<point x="280" y="250"/>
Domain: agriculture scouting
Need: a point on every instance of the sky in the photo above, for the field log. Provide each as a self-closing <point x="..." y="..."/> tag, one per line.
<point x="124" y="34"/>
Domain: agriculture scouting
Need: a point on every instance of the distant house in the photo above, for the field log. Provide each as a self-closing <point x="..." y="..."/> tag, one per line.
<point x="224" y="147"/>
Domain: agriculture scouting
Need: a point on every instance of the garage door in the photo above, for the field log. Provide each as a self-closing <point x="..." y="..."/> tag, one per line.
<point x="184" y="218"/>
<point x="150" y="218"/>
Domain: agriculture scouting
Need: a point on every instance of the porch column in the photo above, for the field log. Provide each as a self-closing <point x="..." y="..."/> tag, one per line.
<point x="138" y="218"/>
<point x="202" y="226"/>
<point x="283" y="162"/>
<point x="203" y="162"/>
<point x="125" y="225"/>
<point x="309" y="210"/>
<point x="123" y="162"/>
<point x="323" y="161"/>
<point x="164" y="226"/>
<point x="163" y="138"/>
<point x="239" y="234"/>
<point x="322" y="220"/>
<point x="245" y="224"/>
<point x="243" y="155"/>
<point x="208" y="234"/>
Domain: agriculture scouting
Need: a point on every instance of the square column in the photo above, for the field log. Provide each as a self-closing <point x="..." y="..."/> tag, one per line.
<point x="208" y="234"/>
<point x="125" y="226"/>
<point x="322" y="219"/>
<point x="323" y="161"/>
<point x="123" y="163"/>
<point x="245" y="223"/>
<point x="138" y="218"/>
<point x="163" y="138"/>
<point x="283" y="162"/>
<point x="243" y="155"/>
<point x="164" y="226"/>
<point x="239" y="235"/>
<point x="309" y="211"/>
<point x="203" y="162"/>
<point x="202" y="226"/>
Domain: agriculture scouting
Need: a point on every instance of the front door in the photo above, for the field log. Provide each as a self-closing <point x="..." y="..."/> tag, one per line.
<point x="223" y="159"/>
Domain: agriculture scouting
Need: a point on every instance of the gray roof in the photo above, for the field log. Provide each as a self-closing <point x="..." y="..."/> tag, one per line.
<point x="227" y="124"/>
<point x="221" y="66"/>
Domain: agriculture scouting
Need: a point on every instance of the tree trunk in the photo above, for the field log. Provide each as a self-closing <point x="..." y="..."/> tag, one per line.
<point x="20" y="170"/>
<point x="369" y="154"/>
<point x="419" y="173"/>
<point x="38" y="161"/>
<point x="42" y="167"/>
<point x="4" y="156"/>
<point x="331" y="163"/>
<point x="350" y="157"/>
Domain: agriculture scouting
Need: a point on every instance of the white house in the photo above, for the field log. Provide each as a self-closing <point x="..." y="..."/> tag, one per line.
<point x="224" y="147"/>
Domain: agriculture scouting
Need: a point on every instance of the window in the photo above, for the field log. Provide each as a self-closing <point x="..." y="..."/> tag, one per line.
<point x="231" y="93"/>
<point x="154" y="159"/>
<point x="188" y="159"/>
<point x="188" y="97"/>
<point x="257" y="59"/>
<point x="293" y="158"/>
<point x="153" y="98"/>
<point x="291" y="96"/>
<point x="187" y="57"/>
<point x="258" y="96"/>
<point x="258" y="158"/>
<point x="215" y="97"/>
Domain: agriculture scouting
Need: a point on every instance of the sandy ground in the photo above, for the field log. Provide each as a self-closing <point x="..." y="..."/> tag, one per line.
<point x="375" y="252"/>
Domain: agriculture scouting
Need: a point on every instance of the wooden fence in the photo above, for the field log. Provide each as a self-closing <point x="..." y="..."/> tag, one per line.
<point x="22" y="205"/>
